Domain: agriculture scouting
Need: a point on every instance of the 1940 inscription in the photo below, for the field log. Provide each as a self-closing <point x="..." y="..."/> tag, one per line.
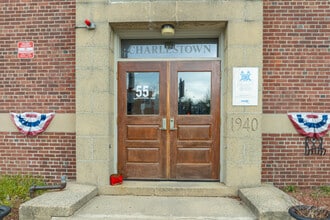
<point x="247" y="124"/>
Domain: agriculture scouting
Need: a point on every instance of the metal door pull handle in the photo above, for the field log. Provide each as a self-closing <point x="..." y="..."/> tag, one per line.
<point x="163" y="128"/>
<point x="172" y="128"/>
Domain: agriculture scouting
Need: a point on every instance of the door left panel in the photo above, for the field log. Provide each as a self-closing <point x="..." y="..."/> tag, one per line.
<point x="141" y="108"/>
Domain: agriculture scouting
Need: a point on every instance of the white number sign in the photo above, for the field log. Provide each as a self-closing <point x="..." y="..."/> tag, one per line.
<point x="142" y="91"/>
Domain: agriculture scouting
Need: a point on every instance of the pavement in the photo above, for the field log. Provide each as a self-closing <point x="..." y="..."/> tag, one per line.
<point x="159" y="201"/>
<point x="162" y="208"/>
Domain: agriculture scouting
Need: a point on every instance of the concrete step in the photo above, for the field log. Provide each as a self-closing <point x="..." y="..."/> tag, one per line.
<point x="130" y="207"/>
<point x="57" y="203"/>
<point x="268" y="202"/>
<point x="170" y="188"/>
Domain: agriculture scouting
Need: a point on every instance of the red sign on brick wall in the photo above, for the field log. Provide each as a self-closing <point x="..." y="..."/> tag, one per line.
<point x="25" y="50"/>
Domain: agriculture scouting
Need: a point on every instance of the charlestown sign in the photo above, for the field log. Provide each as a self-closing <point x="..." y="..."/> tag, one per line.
<point x="193" y="48"/>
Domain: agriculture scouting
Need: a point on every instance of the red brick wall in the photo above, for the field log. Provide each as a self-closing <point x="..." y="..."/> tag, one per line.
<point x="284" y="162"/>
<point x="49" y="155"/>
<point x="296" y="56"/>
<point x="43" y="84"/>
<point x="46" y="82"/>
<point x="296" y="75"/>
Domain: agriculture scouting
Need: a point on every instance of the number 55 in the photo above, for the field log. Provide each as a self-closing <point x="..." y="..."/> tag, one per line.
<point x="142" y="91"/>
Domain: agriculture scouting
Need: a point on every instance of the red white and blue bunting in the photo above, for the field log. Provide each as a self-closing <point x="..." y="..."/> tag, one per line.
<point x="314" y="125"/>
<point x="31" y="123"/>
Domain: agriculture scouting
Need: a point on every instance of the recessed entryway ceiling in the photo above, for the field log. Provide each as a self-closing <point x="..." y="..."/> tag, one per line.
<point x="182" y="29"/>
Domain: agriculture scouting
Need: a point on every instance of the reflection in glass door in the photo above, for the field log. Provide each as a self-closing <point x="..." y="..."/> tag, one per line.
<point x="194" y="93"/>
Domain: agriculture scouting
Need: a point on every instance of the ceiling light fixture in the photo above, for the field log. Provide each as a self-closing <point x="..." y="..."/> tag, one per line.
<point x="167" y="30"/>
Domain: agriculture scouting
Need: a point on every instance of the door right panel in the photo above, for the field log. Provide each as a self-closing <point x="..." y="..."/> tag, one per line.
<point x="195" y="112"/>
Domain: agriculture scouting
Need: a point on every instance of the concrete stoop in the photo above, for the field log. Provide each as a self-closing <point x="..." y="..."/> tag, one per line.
<point x="57" y="203"/>
<point x="162" y="208"/>
<point x="268" y="202"/>
<point x="158" y="201"/>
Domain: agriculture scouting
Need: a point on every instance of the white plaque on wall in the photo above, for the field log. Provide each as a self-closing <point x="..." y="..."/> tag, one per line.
<point x="245" y="85"/>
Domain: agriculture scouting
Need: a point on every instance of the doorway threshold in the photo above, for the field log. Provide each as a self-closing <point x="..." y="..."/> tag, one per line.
<point x="170" y="188"/>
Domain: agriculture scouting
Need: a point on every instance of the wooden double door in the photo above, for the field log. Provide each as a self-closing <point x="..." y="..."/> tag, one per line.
<point x="169" y="120"/>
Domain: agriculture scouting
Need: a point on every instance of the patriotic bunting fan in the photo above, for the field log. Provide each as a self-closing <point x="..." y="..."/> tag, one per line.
<point x="31" y="123"/>
<point x="313" y="125"/>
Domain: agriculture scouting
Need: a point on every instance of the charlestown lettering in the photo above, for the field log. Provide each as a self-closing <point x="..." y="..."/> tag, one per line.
<point x="172" y="50"/>
<point x="159" y="49"/>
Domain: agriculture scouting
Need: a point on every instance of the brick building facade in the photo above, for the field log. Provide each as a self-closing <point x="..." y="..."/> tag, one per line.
<point x="295" y="73"/>
<point x="296" y="79"/>
<point x="43" y="84"/>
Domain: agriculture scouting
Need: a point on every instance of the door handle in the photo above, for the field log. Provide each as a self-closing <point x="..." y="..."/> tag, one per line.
<point x="163" y="128"/>
<point x="172" y="128"/>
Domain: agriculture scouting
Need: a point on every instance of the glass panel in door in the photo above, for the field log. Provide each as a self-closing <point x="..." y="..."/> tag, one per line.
<point x="194" y="93"/>
<point x="142" y="93"/>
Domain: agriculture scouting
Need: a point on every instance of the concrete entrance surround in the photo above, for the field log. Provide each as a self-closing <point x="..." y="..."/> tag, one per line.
<point x="238" y="23"/>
